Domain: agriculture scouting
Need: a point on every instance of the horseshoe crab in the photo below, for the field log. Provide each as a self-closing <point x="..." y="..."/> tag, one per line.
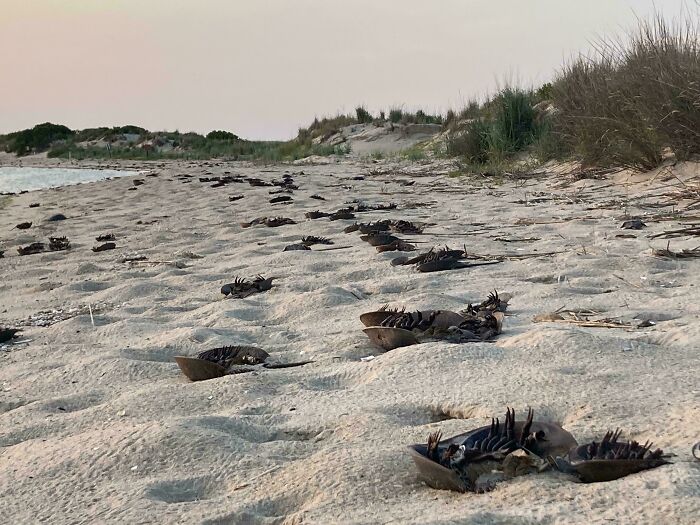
<point x="57" y="244"/>
<point x="104" y="247"/>
<point x="396" y="246"/>
<point x="389" y="329"/>
<point x="219" y="362"/>
<point x="610" y="459"/>
<point x="31" y="249"/>
<point x="407" y="227"/>
<point x="464" y="462"/>
<point x="379" y="239"/>
<point x="105" y="237"/>
<point x="310" y="240"/>
<point x="296" y="247"/>
<point x="281" y="198"/>
<point x="343" y="214"/>
<point x="695" y="450"/>
<point x="493" y="303"/>
<point x="241" y="288"/>
<point x="316" y="214"/>
<point x="7" y="334"/>
<point x="24" y="225"/>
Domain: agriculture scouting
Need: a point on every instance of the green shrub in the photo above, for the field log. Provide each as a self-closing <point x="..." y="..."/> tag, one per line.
<point x="221" y="135"/>
<point x="632" y="99"/>
<point x="395" y="115"/>
<point x="363" y="116"/>
<point x="471" y="143"/>
<point x="37" y="139"/>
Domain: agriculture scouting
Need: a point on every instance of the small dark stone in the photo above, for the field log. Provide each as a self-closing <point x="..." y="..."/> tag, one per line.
<point x="57" y="217"/>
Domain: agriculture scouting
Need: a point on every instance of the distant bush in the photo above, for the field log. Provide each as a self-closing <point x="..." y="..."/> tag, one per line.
<point x="513" y="121"/>
<point x="471" y="143"/>
<point x="37" y="139"/>
<point x="395" y="115"/>
<point x="363" y="116"/>
<point x="631" y="100"/>
<point x="221" y="135"/>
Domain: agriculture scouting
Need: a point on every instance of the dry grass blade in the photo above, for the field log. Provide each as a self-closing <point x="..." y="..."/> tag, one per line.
<point x="683" y="254"/>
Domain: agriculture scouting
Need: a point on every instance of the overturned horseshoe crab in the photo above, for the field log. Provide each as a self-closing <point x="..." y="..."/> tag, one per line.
<point x="389" y="329"/>
<point x="316" y="214"/>
<point x="241" y="288"/>
<point x="219" y="362"/>
<point x="310" y="240"/>
<point x="610" y="459"/>
<point x="57" y="244"/>
<point x="31" y="249"/>
<point x="465" y="462"/>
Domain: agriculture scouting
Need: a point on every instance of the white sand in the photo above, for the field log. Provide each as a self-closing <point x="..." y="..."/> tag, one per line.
<point x="98" y="425"/>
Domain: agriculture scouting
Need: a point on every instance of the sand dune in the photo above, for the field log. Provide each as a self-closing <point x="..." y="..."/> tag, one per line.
<point x="97" y="424"/>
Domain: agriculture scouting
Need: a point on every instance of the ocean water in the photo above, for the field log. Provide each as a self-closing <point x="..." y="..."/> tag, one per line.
<point x="20" y="179"/>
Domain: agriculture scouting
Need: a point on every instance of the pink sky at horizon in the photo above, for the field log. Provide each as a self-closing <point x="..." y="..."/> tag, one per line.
<point x="263" y="68"/>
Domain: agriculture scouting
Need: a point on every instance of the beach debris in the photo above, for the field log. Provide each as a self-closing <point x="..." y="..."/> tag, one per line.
<point x="104" y="247"/>
<point x="610" y="459"/>
<point x="7" y="334"/>
<point x="633" y="224"/>
<point x="50" y="317"/>
<point x="581" y="318"/>
<point x="57" y="217"/>
<point x="296" y="247"/>
<point x="30" y="249"/>
<point x="281" y="198"/>
<point x="219" y="362"/>
<point x="683" y="254"/>
<point x="24" y="225"/>
<point x="474" y="461"/>
<point x="233" y="198"/>
<point x="689" y="231"/>
<point x="57" y="244"/>
<point x="316" y="214"/>
<point x="241" y="288"/>
<point x="696" y="450"/>
<point x="310" y="240"/>
<point x="105" y="237"/>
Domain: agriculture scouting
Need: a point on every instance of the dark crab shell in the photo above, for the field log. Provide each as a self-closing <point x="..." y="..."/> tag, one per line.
<point x="216" y="362"/>
<point x="600" y="469"/>
<point x="199" y="369"/>
<point x="388" y="338"/>
<point x="556" y="441"/>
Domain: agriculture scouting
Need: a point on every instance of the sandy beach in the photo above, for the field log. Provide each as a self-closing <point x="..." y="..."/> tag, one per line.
<point x="98" y="424"/>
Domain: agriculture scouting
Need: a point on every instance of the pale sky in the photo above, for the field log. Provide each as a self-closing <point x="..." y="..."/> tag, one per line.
<point x="262" y="68"/>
